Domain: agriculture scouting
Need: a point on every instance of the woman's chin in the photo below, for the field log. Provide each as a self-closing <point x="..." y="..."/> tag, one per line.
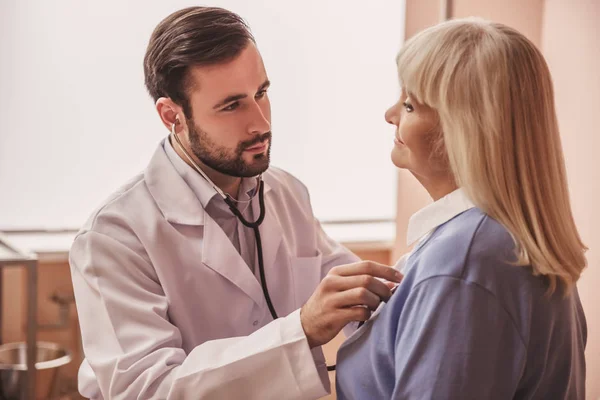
<point x="398" y="160"/>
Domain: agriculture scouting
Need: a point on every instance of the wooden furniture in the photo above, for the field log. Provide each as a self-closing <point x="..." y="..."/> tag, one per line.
<point x="11" y="256"/>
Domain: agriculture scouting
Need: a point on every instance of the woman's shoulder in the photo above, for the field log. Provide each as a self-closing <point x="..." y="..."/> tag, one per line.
<point x="474" y="230"/>
<point x="469" y="246"/>
<point x="475" y="248"/>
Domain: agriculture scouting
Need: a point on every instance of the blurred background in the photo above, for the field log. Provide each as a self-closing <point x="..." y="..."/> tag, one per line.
<point x="77" y="123"/>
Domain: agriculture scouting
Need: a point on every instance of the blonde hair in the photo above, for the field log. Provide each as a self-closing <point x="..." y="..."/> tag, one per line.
<point x="493" y="92"/>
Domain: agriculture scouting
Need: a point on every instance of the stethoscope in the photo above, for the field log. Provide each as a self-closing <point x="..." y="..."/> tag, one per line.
<point x="231" y="203"/>
<point x="253" y="225"/>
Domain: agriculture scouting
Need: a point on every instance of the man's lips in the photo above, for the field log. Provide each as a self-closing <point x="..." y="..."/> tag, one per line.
<point x="258" y="147"/>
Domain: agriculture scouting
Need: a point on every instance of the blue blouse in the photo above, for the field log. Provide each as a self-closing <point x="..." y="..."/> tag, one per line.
<point x="465" y="323"/>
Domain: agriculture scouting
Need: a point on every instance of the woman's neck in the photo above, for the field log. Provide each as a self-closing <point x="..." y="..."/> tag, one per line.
<point x="438" y="186"/>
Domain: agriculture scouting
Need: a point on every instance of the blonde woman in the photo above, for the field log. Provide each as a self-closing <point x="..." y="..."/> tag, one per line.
<point x="488" y="308"/>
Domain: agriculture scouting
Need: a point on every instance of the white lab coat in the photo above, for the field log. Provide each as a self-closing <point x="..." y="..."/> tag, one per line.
<point x="169" y="310"/>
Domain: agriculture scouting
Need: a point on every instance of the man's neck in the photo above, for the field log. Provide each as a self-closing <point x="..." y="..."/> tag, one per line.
<point x="227" y="183"/>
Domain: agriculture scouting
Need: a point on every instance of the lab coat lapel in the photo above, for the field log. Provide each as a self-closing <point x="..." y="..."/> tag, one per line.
<point x="219" y="254"/>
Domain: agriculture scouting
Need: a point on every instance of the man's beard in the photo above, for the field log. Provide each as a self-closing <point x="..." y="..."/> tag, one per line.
<point x="222" y="160"/>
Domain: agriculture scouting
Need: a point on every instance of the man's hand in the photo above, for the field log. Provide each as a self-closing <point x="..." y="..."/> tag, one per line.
<point x="348" y="293"/>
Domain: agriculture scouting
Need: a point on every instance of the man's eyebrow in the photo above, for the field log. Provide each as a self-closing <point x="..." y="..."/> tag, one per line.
<point x="230" y="99"/>
<point x="236" y="97"/>
<point x="265" y="85"/>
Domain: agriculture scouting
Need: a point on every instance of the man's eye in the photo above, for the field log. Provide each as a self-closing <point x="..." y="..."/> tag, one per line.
<point x="232" y="106"/>
<point x="261" y="94"/>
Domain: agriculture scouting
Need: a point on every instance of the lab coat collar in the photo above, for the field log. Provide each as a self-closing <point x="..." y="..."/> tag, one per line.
<point x="201" y="188"/>
<point x="436" y="214"/>
<point x="175" y="198"/>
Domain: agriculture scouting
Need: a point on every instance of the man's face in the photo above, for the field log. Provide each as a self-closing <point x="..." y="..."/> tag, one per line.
<point x="230" y="128"/>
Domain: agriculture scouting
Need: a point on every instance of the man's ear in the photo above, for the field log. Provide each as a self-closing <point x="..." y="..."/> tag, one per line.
<point x="170" y="113"/>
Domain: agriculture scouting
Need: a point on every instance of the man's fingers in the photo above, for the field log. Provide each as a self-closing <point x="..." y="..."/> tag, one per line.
<point x="374" y="285"/>
<point x="369" y="268"/>
<point x="356" y="297"/>
<point x="357" y="314"/>
<point x="390" y="285"/>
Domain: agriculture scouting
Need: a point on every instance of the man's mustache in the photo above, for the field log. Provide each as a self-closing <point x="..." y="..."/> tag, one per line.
<point x="258" y="139"/>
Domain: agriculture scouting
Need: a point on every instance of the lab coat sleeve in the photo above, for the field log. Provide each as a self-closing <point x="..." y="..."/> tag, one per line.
<point x="136" y="353"/>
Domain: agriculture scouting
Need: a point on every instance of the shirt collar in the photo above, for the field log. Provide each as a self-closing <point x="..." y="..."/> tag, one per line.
<point x="436" y="214"/>
<point x="200" y="186"/>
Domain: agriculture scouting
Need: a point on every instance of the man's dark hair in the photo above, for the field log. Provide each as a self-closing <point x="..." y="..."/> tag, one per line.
<point x="194" y="36"/>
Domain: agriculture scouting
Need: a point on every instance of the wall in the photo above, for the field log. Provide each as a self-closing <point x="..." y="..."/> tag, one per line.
<point x="524" y="15"/>
<point x="570" y="43"/>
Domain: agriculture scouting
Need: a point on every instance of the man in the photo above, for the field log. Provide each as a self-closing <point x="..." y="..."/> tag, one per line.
<point x="177" y="298"/>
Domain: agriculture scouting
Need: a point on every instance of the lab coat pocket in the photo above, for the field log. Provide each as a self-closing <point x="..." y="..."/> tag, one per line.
<point x="307" y="276"/>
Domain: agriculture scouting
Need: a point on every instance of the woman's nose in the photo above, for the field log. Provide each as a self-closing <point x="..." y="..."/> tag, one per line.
<point x="391" y="117"/>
